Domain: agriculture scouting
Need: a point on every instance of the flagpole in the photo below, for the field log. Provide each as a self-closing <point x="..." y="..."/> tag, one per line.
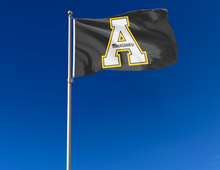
<point x="70" y="80"/>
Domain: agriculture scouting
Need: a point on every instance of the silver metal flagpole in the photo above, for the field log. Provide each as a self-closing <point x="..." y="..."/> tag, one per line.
<point x="70" y="80"/>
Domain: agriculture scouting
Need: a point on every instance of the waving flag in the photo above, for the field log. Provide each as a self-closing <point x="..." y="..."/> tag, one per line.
<point x="137" y="40"/>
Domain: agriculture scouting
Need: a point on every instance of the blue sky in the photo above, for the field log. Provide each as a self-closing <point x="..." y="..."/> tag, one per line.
<point x="167" y="119"/>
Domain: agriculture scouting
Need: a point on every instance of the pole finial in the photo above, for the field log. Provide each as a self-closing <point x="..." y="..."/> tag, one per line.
<point x="70" y="13"/>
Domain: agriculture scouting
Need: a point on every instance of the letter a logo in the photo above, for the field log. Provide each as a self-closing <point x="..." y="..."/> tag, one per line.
<point x="121" y="39"/>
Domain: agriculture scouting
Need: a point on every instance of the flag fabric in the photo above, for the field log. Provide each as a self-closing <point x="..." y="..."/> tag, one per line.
<point x="137" y="40"/>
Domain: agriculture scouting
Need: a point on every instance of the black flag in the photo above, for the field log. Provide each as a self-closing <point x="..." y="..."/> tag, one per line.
<point x="137" y="40"/>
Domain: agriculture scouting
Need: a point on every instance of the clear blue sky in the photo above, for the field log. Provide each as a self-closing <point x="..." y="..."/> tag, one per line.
<point x="167" y="119"/>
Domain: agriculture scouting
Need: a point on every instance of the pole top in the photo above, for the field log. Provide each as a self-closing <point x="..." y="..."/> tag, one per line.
<point x="70" y="13"/>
